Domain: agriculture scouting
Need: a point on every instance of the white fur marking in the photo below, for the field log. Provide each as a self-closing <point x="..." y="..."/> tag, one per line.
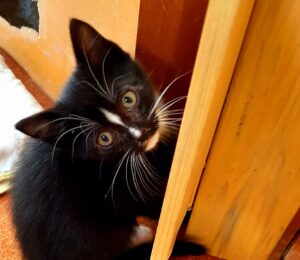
<point x="141" y="235"/>
<point x="135" y="132"/>
<point x="111" y="117"/>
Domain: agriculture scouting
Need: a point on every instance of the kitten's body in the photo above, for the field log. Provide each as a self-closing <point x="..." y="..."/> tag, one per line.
<point x="79" y="188"/>
<point x="63" y="205"/>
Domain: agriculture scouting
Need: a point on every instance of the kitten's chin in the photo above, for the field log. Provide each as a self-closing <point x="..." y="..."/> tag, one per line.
<point x="151" y="142"/>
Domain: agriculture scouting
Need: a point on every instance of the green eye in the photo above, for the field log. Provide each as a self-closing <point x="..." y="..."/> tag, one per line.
<point x="129" y="99"/>
<point x="105" y="139"/>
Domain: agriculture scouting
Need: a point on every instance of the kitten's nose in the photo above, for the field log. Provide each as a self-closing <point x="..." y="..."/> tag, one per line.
<point x="145" y="133"/>
<point x="141" y="133"/>
<point x="146" y="138"/>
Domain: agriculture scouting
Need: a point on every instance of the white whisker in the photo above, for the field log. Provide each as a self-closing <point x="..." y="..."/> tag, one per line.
<point x="86" y="141"/>
<point x="103" y="72"/>
<point x="93" y="75"/>
<point x="141" y="177"/>
<point x="159" y="99"/>
<point x="134" y="177"/>
<point x="57" y="120"/>
<point x="114" y="81"/>
<point x="146" y="172"/>
<point x="89" y="127"/>
<point x="152" y="169"/>
<point x="100" y="171"/>
<point x="166" y="117"/>
<point x="111" y="188"/>
<point x="170" y="103"/>
<point x="61" y="136"/>
<point x="127" y="183"/>
<point x="99" y="92"/>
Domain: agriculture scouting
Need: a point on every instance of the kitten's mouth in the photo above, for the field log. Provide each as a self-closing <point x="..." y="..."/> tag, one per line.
<point x="151" y="142"/>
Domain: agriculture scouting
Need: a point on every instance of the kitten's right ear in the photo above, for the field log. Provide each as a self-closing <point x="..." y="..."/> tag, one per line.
<point x="88" y="45"/>
<point x="43" y="126"/>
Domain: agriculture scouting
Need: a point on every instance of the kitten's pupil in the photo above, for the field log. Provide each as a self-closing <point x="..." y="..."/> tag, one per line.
<point x="129" y="99"/>
<point x="105" y="139"/>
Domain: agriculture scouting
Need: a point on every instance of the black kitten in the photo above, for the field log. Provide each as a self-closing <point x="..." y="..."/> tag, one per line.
<point x="97" y="159"/>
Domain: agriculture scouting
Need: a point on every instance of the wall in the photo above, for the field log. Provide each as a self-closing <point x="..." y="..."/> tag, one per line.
<point x="47" y="55"/>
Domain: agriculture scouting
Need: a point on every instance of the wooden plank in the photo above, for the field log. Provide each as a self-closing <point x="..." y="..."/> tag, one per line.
<point x="289" y="234"/>
<point x="250" y="188"/>
<point x="47" y="56"/>
<point x="294" y="251"/>
<point x="221" y="40"/>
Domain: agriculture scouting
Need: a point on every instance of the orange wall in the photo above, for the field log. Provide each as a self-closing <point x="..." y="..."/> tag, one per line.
<point x="47" y="56"/>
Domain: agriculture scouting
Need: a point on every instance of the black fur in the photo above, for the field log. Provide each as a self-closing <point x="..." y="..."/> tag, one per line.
<point x="181" y="248"/>
<point x="64" y="204"/>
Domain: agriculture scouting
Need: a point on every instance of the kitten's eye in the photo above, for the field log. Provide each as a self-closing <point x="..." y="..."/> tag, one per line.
<point x="129" y="99"/>
<point x="105" y="139"/>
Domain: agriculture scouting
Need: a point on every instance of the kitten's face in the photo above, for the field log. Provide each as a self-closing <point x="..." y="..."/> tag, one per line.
<point x="107" y="110"/>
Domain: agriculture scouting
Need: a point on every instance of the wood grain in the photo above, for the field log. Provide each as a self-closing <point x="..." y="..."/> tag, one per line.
<point x="47" y="57"/>
<point x="250" y="188"/>
<point x="221" y="40"/>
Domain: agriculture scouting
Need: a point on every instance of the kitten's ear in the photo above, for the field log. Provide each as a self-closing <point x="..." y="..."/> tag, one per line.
<point x="89" y="46"/>
<point x="43" y="126"/>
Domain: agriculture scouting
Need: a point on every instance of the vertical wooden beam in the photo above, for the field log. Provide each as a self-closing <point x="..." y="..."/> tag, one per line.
<point x="250" y="189"/>
<point x="222" y="36"/>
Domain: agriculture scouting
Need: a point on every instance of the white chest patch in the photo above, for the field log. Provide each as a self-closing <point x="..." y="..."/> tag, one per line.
<point x="111" y="117"/>
<point x="141" y="235"/>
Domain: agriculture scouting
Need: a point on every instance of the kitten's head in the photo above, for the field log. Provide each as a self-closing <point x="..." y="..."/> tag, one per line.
<point x="107" y="109"/>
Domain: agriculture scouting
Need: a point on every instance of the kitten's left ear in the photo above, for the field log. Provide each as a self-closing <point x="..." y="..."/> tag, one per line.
<point x="89" y="46"/>
<point x="44" y="125"/>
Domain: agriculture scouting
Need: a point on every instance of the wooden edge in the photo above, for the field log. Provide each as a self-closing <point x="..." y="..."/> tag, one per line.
<point x="293" y="251"/>
<point x="222" y="36"/>
<point x="44" y="100"/>
<point x="288" y="236"/>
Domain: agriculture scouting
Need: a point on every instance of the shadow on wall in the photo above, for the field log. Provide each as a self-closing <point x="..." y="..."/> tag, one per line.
<point x="167" y="43"/>
<point x="20" y="13"/>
